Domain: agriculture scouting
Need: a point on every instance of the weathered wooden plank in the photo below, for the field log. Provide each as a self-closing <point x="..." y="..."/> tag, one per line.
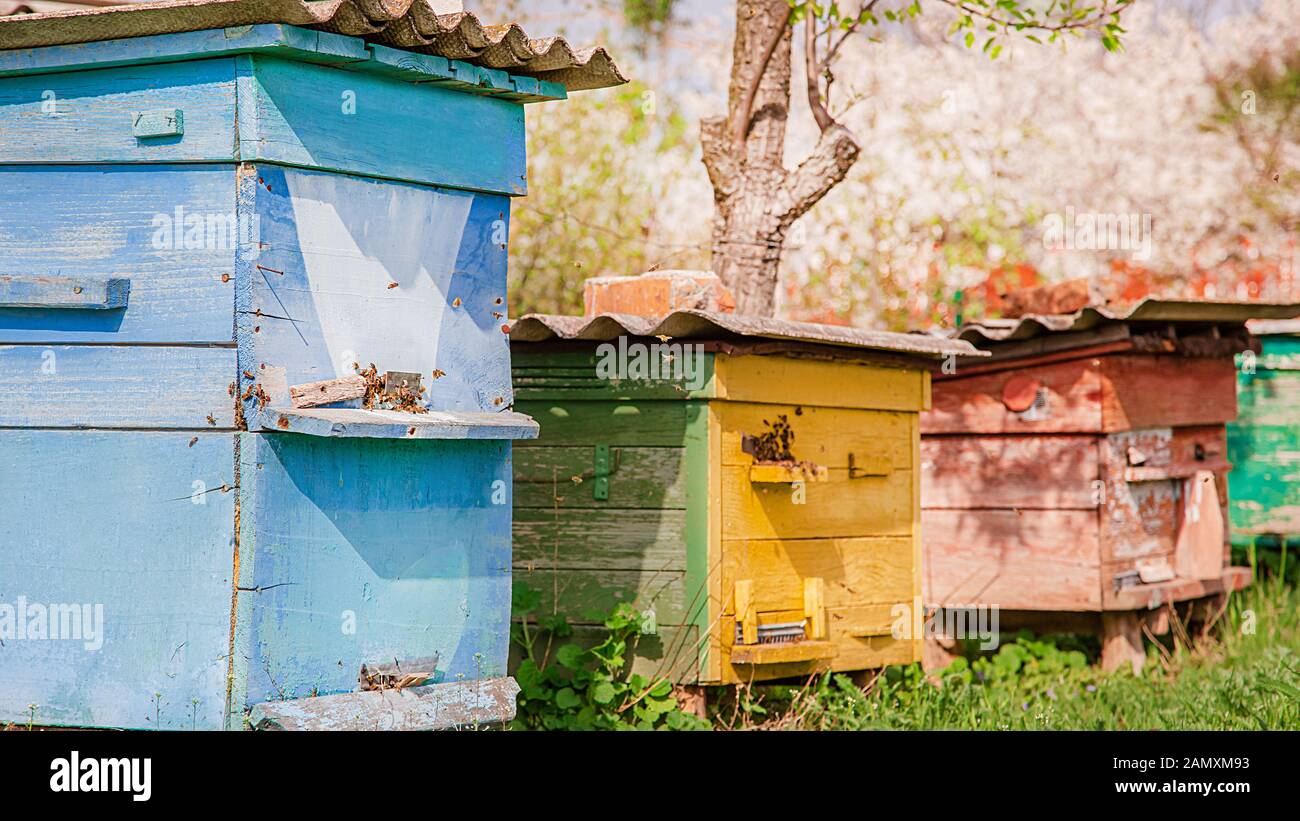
<point x="1021" y="472"/>
<point x="66" y="293"/>
<point x="140" y="537"/>
<point x="1145" y="476"/>
<point x="327" y="392"/>
<point x="289" y="41"/>
<point x="604" y="538"/>
<point x="775" y="379"/>
<point x="1068" y="400"/>
<point x="851" y="653"/>
<point x="1265" y="478"/>
<point x="652" y="478"/>
<point x="321" y="117"/>
<point x="1036" y="560"/>
<point x="582" y="594"/>
<point x="171" y="230"/>
<point x="358" y="271"/>
<point x="617" y="424"/>
<point x="856" y="572"/>
<point x="1270" y="397"/>
<point x="1150" y="596"/>
<point x="1191" y="391"/>
<point x="116" y="387"/>
<point x="87" y="116"/>
<point x="838" y="508"/>
<point x="361" y="549"/>
<point x="386" y="424"/>
<point x="607" y="373"/>
<point x="761" y="655"/>
<point x="429" y="707"/>
<point x="824" y="436"/>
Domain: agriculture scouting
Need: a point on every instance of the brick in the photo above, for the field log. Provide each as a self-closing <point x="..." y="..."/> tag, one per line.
<point x="657" y="293"/>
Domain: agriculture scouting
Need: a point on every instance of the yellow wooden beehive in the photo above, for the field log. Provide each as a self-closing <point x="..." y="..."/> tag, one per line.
<point x="761" y="501"/>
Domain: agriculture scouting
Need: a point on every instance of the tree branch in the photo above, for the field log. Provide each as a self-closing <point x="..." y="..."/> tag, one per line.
<point x="826" y="167"/>
<point x="745" y="111"/>
<point x="813" y="78"/>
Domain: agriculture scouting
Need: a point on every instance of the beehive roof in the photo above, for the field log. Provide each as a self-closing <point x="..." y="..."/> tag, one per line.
<point x="1149" y="310"/>
<point x="700" y="325"/>
<point x="413" y="25"/>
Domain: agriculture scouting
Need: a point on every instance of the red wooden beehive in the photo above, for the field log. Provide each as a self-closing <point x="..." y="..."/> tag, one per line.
<point x="1077" y="480"/>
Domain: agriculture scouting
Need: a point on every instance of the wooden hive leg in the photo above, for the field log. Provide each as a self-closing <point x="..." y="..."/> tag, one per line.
<point x="1121" y="641"/>
<point x="938" y="652"/>
<point x="693" y="699"/>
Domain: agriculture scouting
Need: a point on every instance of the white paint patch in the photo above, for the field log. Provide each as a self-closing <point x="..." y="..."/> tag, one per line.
<point x="356" y="238"/>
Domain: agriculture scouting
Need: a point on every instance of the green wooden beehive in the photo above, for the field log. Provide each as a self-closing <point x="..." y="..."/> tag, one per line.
<point x="1264" y="442"/>
<point x="650" y="484"/>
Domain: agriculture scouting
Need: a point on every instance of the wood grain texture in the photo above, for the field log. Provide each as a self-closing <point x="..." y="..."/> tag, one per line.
<point x="617" y="424"/>
<point x="361" y="549"/>
<point x="575" y="375"/>
<point x="586" y="595"/>
<point x="824" y="436"/>
<point x="1039" y="560"/>
<point x="116" y="387"/>
<point x="851" y="653"/>
<point x="1016" y="471"/>
<point x="653" y="478"/>
<point x="87" y="116"/>
<point x="301" y="44"/>
<point x="605" y="538"/>
<point x="838" y="508"/>
<point x="1264" y="444"/>
<point x="146" y="533"/>
<point x="449" y="706"/>
<point x="171" y="230"/>
<point x="1146" y="473"/>
<point x="1145" y="391"/>
<point x="327" y="392"/>
<point x="317" y="298"/>
<point x="295" y="114"/>
<point x="289" y="42"/>
<point x="856" y="572"/>
<point x="384" y="424"/>
<point x="64" y="293"/>
<point x="776" y="379"/>
<point x="1072" y="393"/>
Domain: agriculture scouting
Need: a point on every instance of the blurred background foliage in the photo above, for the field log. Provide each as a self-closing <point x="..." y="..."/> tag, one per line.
<point x="965" y="157"/>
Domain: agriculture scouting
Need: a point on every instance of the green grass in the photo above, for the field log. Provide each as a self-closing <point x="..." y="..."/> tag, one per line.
<point x="1244" y="674"/>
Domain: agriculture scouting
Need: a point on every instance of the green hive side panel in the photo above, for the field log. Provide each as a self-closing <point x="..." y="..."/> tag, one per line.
<point x="606" y="501"/>
<point x="1264" y="443"/>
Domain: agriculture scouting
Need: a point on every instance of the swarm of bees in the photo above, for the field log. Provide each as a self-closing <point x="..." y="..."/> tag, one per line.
<point x="377" y="395"/>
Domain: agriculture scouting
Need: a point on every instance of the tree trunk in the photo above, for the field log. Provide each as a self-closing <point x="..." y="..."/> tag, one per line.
<point x="756" y="198"/>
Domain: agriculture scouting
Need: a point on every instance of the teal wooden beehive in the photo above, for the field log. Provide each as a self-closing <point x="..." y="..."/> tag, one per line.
<point x="206" y="207"/>
<point x="1264" y="442"/>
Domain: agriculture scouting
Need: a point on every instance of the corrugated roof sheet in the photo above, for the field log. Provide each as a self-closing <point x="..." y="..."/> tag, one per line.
<point x="1150" y="310"/>
<point x="413" y="25"/>
<point x="713" y="325"/>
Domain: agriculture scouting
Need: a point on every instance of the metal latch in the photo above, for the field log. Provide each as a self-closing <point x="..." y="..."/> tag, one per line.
<point x="862" y="467"/>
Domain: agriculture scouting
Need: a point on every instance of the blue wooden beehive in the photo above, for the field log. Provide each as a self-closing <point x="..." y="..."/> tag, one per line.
<point x="197" y="213"/>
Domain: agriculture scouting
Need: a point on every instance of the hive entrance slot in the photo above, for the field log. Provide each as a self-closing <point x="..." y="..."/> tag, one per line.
<point x="782" y="633"/>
